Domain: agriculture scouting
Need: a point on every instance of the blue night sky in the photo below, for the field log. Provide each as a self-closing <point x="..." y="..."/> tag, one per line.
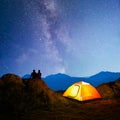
<point x="75" y="37"/>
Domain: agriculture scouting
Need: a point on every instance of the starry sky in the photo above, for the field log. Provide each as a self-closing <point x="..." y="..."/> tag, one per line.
<point x="75" y="37"/>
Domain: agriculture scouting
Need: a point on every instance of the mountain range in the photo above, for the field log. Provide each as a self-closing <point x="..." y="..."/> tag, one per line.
<point x="62" y="81"/>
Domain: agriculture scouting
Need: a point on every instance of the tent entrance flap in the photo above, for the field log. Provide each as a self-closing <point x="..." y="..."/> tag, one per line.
<point x="74" y="92"/>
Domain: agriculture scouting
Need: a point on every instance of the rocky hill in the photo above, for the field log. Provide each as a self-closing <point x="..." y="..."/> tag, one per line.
<point x="110" y="89"/>
<point x="19" y="95"/>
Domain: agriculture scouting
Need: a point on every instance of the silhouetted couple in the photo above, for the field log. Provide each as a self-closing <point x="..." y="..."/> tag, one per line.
<point x="36" y="75"/>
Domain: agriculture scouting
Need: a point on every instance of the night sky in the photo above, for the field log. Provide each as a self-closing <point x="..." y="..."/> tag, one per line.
<point x="75" y="37"/>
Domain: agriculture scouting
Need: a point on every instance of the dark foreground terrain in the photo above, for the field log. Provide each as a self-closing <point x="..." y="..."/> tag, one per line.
<point x="33" y="100"/>
<point x="108" y="109"/>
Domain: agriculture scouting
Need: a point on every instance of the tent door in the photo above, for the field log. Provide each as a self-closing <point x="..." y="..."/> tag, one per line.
<point x="75" y="90"/>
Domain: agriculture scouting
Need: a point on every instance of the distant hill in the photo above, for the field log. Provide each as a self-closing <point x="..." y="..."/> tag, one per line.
<point x="103" y="77"/>
<point x="62" y="81"/>
<point x="27" y="76"/>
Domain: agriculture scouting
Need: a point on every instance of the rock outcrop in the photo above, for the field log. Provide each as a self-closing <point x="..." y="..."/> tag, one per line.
<point x="109" y="90"/>
<point x="11" y="78"/>
<point x="18" y="95"/>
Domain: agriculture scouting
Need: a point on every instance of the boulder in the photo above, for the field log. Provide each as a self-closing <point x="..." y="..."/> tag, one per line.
<point x="109" y="90"/>
<point x="11" y="78"/>
<point x="11" y="92"/>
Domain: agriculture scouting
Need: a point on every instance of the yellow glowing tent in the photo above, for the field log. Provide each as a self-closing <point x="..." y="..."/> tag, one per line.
<point x="82" y="91"/>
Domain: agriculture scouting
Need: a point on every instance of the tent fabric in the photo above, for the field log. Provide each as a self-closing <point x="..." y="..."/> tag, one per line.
<point x="82" y="91"/>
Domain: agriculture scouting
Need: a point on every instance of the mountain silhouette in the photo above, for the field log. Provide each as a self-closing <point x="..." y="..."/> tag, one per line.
<point x="27" y="76"/>
<point x="62" y="81"/>
<point x="103" y="77"/>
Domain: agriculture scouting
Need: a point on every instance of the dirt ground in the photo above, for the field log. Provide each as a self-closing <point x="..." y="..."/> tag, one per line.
<point x="108" y="109"/>
<point x="91" y="110"/>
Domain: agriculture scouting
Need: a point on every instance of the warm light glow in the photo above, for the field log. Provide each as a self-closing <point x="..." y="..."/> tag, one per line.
<point x="74" y="91"/>
<point x="82" y="91"/>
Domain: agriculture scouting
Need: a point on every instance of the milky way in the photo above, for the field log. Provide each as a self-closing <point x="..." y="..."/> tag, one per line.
<point x="76" y="37"/>
<point x="46" y="39"/>
<point x="50" y="32"/>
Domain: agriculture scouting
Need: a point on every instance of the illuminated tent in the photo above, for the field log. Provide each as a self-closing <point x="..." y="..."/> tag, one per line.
<point x="82" y="91"/>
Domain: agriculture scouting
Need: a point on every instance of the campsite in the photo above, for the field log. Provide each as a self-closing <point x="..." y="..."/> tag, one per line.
<point x="34" y="100"/>
<point x="82" y="91"/>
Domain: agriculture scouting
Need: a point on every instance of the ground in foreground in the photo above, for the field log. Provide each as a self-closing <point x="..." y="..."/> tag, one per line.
<point x="104" y="109"/>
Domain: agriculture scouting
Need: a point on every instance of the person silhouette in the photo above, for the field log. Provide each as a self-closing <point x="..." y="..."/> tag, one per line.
<point x="33" y="74"/>
<point x="39" y="74"/>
